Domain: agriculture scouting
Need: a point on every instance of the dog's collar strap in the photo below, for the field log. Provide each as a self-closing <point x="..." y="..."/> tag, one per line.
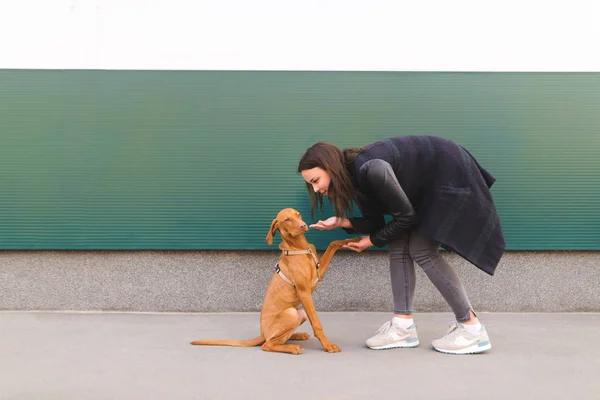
<point x="308" y="251"/>
<point x="281" y="274"/>
<point x="297" y="252"/>
<point x="285" y="278"/>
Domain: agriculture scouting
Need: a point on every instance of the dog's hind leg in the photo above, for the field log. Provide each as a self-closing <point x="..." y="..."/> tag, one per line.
<point x="301" y="318"/>
<point x="281" y="330"/>
<point x="300" y="336"/>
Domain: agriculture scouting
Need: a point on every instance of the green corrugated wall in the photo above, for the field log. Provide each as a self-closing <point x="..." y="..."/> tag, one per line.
<point x="205" y="159"/>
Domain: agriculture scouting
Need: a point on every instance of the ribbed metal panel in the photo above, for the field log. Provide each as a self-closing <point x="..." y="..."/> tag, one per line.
<point x="205" y="159"/>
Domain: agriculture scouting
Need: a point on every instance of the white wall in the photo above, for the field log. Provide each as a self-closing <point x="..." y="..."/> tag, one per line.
<point x="415" y="35"/>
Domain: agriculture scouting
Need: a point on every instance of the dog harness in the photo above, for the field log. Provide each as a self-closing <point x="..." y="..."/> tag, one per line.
<point x="293" y="253"/>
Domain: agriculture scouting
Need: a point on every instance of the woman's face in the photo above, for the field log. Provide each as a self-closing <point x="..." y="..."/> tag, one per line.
<point x="318" y="178"/>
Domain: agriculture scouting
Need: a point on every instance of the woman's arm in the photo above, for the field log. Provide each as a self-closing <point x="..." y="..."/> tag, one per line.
<point x="371" y="221"/>
<point x="383" y="184"/>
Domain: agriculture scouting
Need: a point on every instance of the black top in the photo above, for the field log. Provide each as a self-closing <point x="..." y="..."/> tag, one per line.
<point x="431" y="184"/>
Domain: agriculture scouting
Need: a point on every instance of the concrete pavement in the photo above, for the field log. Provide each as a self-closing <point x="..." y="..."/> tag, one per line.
<point x="64" y="355"/>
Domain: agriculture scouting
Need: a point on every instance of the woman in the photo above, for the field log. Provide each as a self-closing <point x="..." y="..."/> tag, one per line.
<point x="437" y="194"/>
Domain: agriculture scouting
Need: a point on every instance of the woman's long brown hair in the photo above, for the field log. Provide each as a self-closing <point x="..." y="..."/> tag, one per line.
<point x="330" y="158"/>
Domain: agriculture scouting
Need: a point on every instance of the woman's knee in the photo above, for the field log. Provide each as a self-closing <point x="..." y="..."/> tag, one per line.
<point x="398" y="250"/>
<point x="423" y="250"/>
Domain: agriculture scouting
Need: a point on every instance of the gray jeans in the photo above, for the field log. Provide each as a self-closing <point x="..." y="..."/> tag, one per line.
<point x="425" y="252"/>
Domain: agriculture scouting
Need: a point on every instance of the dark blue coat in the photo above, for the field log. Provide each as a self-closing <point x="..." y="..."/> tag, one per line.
<point x="431" y="184"/>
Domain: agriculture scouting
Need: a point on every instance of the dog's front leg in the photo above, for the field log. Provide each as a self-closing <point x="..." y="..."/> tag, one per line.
<point x="328" y="255"/>
<point x="307" y="302"/>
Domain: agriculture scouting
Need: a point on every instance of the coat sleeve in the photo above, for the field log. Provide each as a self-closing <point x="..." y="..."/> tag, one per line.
<point x="383" y="185"/>
<point x="371" y="221"/>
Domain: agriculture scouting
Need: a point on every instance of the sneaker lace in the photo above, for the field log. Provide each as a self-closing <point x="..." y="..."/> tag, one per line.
<point x="453" y="330"/>
<point x="384" y="328"/>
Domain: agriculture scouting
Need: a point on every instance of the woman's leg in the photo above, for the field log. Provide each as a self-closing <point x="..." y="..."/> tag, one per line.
<point x="468" y="336"/>
<point x="402" y="276"/>
<point x="426" y="253"/>
<point x="399" y="332"/>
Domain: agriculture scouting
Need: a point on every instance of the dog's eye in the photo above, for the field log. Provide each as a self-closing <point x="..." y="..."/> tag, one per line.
<point x="286" y="220"/>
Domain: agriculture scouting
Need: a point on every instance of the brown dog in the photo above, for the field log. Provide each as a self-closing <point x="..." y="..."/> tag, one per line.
<point x="295" y="278"/>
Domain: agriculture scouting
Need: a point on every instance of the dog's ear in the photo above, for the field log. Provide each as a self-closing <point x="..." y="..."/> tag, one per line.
<point x="272" y="232"/>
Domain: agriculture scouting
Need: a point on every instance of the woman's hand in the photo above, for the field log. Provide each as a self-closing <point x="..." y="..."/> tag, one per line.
<point x="363" y="244"/>
<point x="328" y="224"/>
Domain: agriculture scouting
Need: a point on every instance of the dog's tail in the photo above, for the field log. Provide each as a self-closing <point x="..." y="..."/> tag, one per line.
<point x="237" y="343"/>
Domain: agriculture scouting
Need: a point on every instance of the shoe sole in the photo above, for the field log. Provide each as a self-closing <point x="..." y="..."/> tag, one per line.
<point x="475" y="349"/>
<point x="395" y="346"/>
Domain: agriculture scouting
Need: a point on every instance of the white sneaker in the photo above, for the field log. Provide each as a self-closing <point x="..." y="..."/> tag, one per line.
<point x="390" y="336"/>
<point x="459" y="341"/>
